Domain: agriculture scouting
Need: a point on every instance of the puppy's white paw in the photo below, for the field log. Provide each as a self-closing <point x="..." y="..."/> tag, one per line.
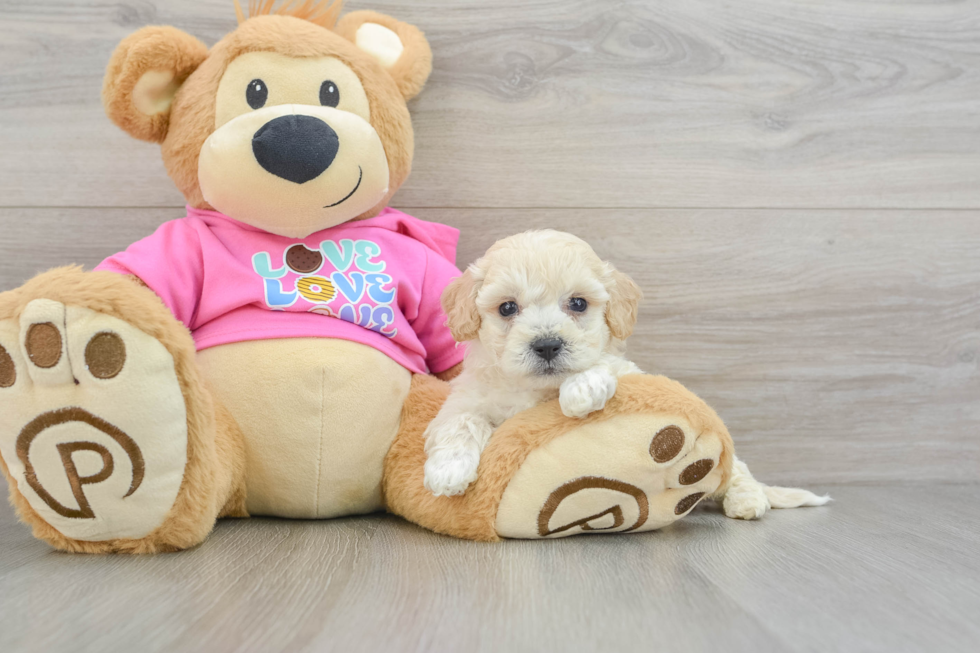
<point x="586" y="392"/>
<point x="745" y="501"/>
<point x="450" y="472"/>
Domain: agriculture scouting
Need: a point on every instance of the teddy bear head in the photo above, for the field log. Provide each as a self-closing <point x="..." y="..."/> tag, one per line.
<point x="292" y="123"/>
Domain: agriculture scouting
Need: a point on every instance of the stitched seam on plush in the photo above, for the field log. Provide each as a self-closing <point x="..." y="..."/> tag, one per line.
<point x="319" y="452"/>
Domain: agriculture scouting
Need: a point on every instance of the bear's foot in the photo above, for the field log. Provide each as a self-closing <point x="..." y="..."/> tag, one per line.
<point x="627" y="473"/>
<point x="93" y="424"/>
<point x="642" y="462"/>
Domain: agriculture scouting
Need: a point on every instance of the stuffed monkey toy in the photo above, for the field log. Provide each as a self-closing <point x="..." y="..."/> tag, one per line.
<point x="278" y="350"/>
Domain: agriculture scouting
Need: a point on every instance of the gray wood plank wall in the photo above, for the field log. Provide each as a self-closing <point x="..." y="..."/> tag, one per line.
<point x="796" y="186"/>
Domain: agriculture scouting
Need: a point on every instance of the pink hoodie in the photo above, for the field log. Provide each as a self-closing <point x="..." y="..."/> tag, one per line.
<point x="375" y="281"/>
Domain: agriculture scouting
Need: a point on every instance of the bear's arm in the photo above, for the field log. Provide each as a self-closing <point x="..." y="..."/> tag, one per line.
<point x="170" y="263"/>
<point x="442" y="352"/>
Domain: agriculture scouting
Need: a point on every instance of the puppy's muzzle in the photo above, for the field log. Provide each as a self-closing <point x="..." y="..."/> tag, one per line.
<point x="295" y="147"/>
<point x="547" y="349"/>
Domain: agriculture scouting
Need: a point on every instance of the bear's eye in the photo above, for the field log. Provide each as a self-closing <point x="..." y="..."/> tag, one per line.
<point x="329" y="94"/>
<point x="577" y="305"/>
<point x="256" y="94"/>
<point x="507" y="309"/>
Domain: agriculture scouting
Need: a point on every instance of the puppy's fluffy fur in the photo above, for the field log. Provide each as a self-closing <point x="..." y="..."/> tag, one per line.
<point x="572" y="313"/>
<point x="520" y="309"/>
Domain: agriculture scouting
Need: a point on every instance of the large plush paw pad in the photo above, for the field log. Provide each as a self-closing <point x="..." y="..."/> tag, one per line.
<point x="628" y="473"/>
<point x="93" y="426"/>
<point x="449" y="472"/>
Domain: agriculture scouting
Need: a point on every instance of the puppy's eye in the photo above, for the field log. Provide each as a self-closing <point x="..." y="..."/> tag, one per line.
<point x="508" y="308"/>
<point x="256" y="94"/>
<point x="577" y="305"/>
<point x="329" y="94"/>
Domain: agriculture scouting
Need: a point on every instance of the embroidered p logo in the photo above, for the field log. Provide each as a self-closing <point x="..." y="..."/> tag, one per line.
<point x="611" y="518"/>
<point x="66" y="451"/>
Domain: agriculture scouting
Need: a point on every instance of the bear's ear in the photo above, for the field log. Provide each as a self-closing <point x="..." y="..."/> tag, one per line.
<point x="143" y="76"/>
<point x="400" y="48"/>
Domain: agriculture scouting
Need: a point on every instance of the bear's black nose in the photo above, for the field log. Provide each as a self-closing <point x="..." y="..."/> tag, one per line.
<point x="295" y="147"/>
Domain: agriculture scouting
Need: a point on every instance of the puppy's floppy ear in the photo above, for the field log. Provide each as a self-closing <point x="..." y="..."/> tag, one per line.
<point x="400" y="48"/>
<point x="143" y="76"/>
<point x="459" y="304"/>
<point x="624" y="302"/>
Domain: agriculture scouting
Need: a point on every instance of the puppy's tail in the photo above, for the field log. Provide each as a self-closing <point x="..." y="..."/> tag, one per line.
<point x="792" y="497"/>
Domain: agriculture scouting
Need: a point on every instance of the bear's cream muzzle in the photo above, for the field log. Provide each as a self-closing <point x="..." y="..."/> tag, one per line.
<point x="293" y="169"/>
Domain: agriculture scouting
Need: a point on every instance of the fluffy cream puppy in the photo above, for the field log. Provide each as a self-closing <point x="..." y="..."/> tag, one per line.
<point x="545" y="317"/>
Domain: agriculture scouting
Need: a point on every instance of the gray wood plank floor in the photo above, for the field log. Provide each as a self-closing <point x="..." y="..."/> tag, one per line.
<point x="796" y="187"/>
<point x="883" y="568"/>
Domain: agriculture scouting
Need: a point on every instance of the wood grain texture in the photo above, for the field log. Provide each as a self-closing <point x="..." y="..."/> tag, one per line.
<point x="883" y="568"/>
<point x="564" y="103"/>
<point x="837" y="345"/>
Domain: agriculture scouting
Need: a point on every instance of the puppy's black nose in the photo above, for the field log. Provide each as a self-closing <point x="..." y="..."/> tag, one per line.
<point x="295" y="147"/>
<point x="547" y="348"/>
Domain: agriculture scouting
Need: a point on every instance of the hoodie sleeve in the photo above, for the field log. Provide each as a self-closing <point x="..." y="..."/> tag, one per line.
<point x="441" y="350"/>
<point x="170" y="263"/>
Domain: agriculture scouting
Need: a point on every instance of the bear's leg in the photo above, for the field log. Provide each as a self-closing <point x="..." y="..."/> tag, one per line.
<point x="641" y="463"/>
<point x="109" y="439"/>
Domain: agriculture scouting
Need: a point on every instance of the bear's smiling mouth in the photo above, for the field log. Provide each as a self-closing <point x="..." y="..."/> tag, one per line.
<point x="360" y="176"/>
